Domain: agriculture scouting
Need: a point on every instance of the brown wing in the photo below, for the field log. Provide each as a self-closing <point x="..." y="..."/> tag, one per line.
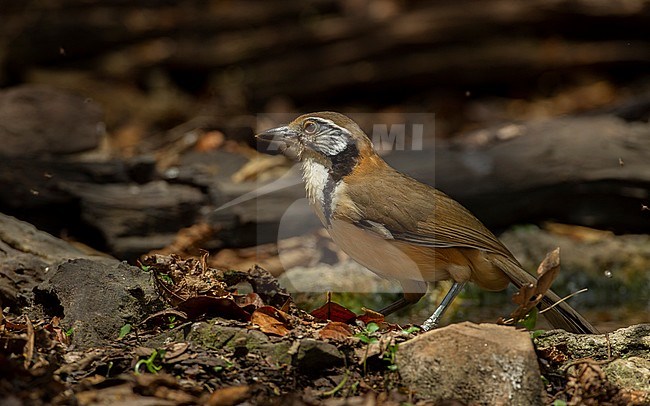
<point x="418" y="214"/>
<point x="451" y="225"/>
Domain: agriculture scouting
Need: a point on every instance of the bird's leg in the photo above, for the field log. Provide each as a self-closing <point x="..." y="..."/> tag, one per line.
<point x="433" y="321"/>
<point x="407" y="299"/>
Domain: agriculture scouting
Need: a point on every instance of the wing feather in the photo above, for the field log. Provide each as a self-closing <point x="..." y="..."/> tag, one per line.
<point x="419" y="214"/>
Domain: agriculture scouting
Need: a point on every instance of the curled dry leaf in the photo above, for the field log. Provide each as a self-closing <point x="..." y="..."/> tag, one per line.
<point x="529" y="296"/>
<point x="271" y="320"/>
<point x="548" y="271"/>
<point x="174" y="351"/>
<point x="335" y="330"/>
<point x="556" y="354"/>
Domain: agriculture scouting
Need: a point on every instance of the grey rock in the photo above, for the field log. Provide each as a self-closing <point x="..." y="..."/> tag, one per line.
<point x="633" y="341"/>
<point x="26" y="256"/>
<point x="625" y="354"/>
<point x="631" y="373"/>
<point x="97" y="297"/>
<point x="314" y="355"/>
<point x="214" y="336"/>
<point x="481" y="364"/>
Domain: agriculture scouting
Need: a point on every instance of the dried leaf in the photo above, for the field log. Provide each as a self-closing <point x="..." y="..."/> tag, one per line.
<point x="556" y="354"/>
<point x="271" y="320"/>
<point x="249" y="302"/>
<point x="334" y="312"/>
<point x="174" y="351"/>
<point x="524" y="295"/>
<point x="335" y="330"/>
<point x="529" y="296"/>
<point x="224" y="307"/>
<point x="371" y="316"/>
<point x="548" y="271"/>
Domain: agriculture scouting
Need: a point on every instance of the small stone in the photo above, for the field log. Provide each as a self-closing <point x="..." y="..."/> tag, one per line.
<point x="475" y="364"/>
<point x="315" y="355"/>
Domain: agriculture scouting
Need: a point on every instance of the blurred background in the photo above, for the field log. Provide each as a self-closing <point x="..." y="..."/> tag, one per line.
<point x="123" y="122"/>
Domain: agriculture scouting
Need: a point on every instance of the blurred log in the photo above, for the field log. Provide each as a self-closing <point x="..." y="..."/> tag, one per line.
<point x="316" y="48"/>
<point x="592" y="171"/>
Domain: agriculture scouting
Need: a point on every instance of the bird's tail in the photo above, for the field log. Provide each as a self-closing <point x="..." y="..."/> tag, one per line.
<point x="561" y="315"/>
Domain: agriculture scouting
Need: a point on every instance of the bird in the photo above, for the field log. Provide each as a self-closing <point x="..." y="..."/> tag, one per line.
<point x="396" y="226"/>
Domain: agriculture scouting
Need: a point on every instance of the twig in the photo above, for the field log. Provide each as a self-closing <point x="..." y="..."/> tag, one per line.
<point x="564" y="299"/>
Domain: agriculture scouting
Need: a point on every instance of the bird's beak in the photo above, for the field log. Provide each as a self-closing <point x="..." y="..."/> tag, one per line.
<point x="279" y="134"/>
<point x="281" y="139"/>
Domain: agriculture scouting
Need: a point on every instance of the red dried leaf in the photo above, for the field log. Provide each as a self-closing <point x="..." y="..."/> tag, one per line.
<point x="334" y="312"/>
<point x="335" y="330"/>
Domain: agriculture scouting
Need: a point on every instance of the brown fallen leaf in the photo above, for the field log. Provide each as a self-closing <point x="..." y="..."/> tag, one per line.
<point x="548" y="271"/>
<point x="271" y="320"/>
<point x="335" y="330"/>
<point x="371" y="316"/>
<point x="174" y="351"/>
<point x="250" y="301"/>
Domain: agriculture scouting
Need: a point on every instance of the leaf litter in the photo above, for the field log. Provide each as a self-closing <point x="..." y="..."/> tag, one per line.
<point x="229" y="337"/>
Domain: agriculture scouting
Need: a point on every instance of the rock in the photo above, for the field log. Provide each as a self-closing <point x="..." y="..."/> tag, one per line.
<point x="633" y="341"/>
<point x="631" y="373"/>
<point x="26" y="255"/>
<point x="624" y="356"/>
<point x="214" y="336"/>
<point x="97" y="297"/>
<point x="481" y="364"/>
<point x="316" y="356"/>
<point x="40" y="120"/>
<point x="211" y="336"/>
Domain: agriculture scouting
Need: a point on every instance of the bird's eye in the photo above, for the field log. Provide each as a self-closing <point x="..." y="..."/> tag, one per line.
<point x="310" y="127"/>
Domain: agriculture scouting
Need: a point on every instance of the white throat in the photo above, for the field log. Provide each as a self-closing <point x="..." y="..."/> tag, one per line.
<point x="315" y="176"/>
